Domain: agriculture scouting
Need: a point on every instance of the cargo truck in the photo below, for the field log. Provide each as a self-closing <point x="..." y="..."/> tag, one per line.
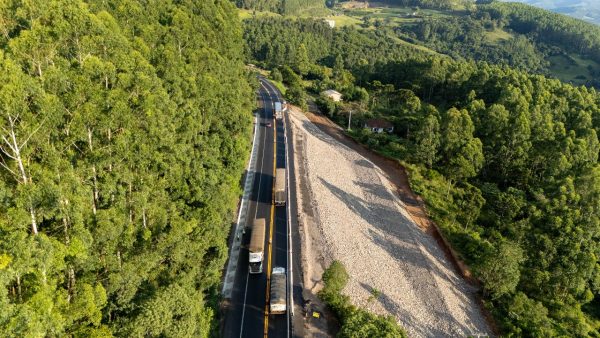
<point x="280" y="186"/>
<point x="257" y="245"/>
<point x="278" y="299"/>
<point x="278" y="110"/>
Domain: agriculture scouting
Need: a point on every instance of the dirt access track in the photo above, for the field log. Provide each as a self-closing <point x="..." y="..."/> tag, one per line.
<point x="396" y="267"/>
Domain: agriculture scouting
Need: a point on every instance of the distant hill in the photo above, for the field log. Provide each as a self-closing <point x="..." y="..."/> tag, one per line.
<point x="588" y="10"/>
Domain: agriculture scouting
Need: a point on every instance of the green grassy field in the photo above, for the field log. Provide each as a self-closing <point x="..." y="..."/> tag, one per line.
<point x="497" y="36"/>
<point x="344" y="20"/>
<point x="572" y="68"/>
<point x="247" y="14"/>
<point x="396" y="14"/>
<point x="419" y="47"/>
<point x="314" y="12"/>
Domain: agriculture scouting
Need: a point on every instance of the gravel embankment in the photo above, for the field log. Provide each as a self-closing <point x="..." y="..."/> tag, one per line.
<point x="365" y="226"/>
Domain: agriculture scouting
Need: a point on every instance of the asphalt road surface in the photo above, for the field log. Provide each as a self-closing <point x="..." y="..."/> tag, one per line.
<point x="247" y="315"/>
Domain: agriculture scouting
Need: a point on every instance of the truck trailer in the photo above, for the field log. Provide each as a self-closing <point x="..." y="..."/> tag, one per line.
<point x="280" y="186"/>
<point x="257" y="245"/>
<point x="278" y="299"/>
<point x="278" y="110"/>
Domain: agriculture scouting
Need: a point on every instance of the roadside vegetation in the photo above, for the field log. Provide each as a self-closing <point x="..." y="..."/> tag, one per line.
<point x="506" y="160"/>
<point x="355" y="322"/>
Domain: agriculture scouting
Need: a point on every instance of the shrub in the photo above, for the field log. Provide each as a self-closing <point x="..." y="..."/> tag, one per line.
<point x="327" y="106"/>
<point x="335" y="277"/>
<point x="276" y="75"/>
<point x="356" y="322"/>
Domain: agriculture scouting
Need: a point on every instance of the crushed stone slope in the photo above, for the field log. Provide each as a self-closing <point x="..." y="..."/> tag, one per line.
<point x="395" y="268"/>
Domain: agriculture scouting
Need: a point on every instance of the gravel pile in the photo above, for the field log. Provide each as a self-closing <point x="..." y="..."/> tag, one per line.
<point x="395" y="269"/>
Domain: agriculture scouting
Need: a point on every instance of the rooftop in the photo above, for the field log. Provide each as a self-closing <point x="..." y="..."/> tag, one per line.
<point x="331" y="92"/>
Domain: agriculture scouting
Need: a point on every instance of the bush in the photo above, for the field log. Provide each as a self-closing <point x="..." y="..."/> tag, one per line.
<point x="276" y="75"/>
<point x="296" y="95"/>
<point x="335" y="277"/>
<point x="327" y="106"/>
<point x="290" y="78"/>
<point x="356" y="323"/>
<point x="360" y="323"/>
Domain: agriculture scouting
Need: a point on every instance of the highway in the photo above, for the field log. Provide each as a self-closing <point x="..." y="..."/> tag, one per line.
<point x="247" y="312"/>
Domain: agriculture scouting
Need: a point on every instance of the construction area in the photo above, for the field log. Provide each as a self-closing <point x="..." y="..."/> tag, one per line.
<point x="350" y="211"/>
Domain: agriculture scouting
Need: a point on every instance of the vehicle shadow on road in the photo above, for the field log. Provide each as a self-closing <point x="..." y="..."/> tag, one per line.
<point x="266" y="181"/>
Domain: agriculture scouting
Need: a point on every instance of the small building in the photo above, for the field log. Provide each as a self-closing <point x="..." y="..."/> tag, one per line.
<point x="332" y="95"/>
<point x="379" y="125"/>
<point x="331" y="23"/>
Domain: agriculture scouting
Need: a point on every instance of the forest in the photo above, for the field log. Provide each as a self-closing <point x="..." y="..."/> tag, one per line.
<point x="543" y="26"/>
<point x="442" y="4"/>
<point x="124" y="131"/>
<point x="280" y="6"/>
<point x="517" y="35"/>
<point x="506" y="160"/>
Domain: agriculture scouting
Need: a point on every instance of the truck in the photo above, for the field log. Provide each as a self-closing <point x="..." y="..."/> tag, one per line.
<point x="278" y="299"/>
<point x="279" y="187"/>
<point x="278" y="110"/>
<point x="257" y="245"/>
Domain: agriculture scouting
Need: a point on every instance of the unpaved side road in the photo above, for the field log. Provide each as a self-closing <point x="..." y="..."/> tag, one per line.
<point x="350" y="214"/>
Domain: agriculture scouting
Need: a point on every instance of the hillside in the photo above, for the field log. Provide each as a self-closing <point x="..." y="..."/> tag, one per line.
<point x="504" y="157"/>
<point x="119" y="171"/>
<point x="588" y="10"/>
<point x="514" y="34"/>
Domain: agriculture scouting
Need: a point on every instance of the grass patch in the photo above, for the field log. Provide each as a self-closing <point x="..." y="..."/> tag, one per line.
<point x="497" y="35"/>
<point x="279" y="86"/>
<point x="314" y="12"/>
<point x="399" y="14"/>
<point x="416" y="46"/>
<point x="356" y="322"/>
<point x="249" y="14"/>
<point x="572" y="68"/>
<point x="344" y="20"/>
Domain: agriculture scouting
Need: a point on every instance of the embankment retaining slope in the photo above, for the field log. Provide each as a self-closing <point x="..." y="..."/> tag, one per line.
<point x="395" y="268"/>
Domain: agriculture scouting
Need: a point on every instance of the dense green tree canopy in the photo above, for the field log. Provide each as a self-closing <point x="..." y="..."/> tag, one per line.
<point x="281" y="6"/>
<point x="124" y="128"/>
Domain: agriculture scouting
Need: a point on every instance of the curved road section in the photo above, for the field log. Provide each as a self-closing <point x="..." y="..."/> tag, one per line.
<point x="247" y="295"/>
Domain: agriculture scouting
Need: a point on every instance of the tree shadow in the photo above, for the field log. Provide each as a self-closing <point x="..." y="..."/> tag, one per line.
<point x="400" y="238"/>
<point x="312" y="129"/>
<point x="365" y="163"/>
<point x="416" y="325"/>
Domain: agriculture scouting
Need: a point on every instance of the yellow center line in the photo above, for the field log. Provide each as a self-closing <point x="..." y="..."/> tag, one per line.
<point x="268" y="293"/>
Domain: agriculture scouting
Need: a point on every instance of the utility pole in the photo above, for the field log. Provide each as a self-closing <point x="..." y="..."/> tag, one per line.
<point x="349" y="120"/>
